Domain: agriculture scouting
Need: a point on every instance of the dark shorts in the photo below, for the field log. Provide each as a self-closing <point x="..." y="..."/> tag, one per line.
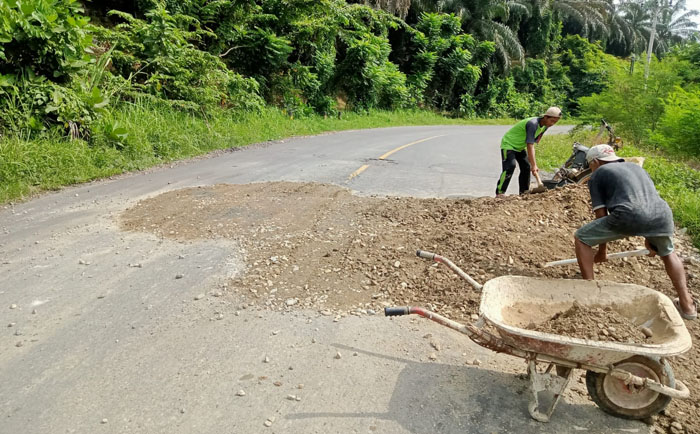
<point x="599" y="232"/>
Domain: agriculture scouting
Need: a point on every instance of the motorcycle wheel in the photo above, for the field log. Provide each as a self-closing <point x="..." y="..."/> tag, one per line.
<point x="584" y="177"/>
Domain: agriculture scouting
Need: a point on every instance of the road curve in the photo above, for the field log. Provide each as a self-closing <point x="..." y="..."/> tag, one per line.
<point x="102" y="332"/>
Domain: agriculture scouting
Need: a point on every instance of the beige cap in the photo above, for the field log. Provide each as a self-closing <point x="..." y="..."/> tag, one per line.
<point x="602" y="153"/>
<point x="554" y="112"/>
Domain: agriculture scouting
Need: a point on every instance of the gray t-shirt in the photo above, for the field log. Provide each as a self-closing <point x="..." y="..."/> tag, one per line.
<point x="634" y="205"/>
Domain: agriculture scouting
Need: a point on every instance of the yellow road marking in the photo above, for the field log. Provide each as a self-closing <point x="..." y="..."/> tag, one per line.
<point x="383" y="157"/>
<point x="357" y="172"/>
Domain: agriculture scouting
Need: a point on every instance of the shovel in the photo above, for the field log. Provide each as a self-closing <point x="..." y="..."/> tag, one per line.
<point x="640" y="252"/>
<point x="540" y="187"/>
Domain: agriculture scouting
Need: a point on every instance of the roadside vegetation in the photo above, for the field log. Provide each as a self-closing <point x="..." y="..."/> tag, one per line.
<point x="158" y="134"/>
<point x="91" y="89"/>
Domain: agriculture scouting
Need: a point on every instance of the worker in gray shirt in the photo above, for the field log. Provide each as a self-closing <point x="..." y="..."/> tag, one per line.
<point x="626" y="203"/>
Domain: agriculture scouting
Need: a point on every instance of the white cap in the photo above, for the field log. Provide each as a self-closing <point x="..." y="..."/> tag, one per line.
<point x="554" y="112"/>
<point x="602" y="153"/>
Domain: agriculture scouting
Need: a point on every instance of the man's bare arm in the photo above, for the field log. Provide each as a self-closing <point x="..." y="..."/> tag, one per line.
<point x="531" y="157"/>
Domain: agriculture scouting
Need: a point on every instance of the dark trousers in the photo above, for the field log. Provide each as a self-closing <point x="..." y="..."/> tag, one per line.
<point x="508" y="159"/>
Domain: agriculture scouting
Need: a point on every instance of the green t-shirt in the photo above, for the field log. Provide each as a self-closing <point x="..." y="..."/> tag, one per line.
<point x="524" y="132"/>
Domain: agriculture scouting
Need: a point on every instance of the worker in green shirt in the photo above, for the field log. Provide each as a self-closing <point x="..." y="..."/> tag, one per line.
<point x="518" y="144"/>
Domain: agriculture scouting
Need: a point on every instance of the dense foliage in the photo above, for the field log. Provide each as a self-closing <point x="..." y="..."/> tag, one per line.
<point x="157" y="56"/>
<point x="66" y="65"/>
<point x="44" y="52"/>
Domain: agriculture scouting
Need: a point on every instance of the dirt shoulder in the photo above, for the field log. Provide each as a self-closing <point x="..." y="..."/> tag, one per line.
<point x="315" y="246"/>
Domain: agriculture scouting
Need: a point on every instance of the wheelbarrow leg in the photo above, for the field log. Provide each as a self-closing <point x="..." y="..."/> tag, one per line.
<point x="547" y="381"/>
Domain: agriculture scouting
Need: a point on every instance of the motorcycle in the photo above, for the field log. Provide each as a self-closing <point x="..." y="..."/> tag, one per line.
<point x="575" y="170"/>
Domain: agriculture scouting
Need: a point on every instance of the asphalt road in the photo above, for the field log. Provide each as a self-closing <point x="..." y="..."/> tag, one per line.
<point x="98" y="336"/>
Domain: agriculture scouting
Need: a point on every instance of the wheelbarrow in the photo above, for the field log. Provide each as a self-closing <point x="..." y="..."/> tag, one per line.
<point x="629" y="380"/>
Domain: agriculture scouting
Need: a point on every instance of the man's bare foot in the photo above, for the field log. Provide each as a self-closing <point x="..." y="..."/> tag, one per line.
<point x="500" y="196"/>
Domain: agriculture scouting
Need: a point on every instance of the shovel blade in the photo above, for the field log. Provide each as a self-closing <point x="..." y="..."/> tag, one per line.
<point x="538" y="189"/>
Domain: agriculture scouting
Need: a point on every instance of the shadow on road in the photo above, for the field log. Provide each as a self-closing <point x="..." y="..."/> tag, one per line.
<point x="433" y="398"/>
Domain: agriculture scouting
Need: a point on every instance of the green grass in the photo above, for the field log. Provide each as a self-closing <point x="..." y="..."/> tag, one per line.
<point x="554" y="149"/>
<point x="29" y="166"/>
<point x="158" y="134"/>
<point x="677" y="182"/>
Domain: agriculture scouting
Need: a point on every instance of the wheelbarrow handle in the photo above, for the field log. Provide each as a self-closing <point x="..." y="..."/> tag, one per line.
<point x="437" y="258"/>
<point x="425" y="254"/>
<point x="474" y="331"/>
<point x="396" y="311"/>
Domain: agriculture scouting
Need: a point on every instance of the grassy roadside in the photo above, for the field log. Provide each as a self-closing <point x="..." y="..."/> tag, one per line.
<point x="676" y="181"/>
<point x="158" y="134"/>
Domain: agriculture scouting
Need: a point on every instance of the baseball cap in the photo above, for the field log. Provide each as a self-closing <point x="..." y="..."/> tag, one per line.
<point x="602" y="153"/>
<point x="554" y="112"/>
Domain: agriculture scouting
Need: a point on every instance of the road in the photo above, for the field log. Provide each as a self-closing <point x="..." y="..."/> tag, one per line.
<point x="100" y="337"/>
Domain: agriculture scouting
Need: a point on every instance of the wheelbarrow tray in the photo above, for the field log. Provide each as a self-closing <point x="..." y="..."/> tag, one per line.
<point x="512" y="303"/>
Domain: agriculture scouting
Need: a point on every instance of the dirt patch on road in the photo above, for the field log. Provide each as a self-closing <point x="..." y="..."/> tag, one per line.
<point x="316" y="246"/>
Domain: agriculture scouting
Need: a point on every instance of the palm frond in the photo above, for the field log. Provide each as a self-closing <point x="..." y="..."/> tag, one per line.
<point x="507" y="43"/>
<point x="591" y="15"/>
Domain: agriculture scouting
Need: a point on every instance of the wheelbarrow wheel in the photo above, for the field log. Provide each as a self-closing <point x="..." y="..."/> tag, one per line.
<point x="630" y="402"/>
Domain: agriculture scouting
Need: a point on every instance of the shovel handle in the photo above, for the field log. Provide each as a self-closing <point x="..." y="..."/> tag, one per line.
<point x="537" y="178"/>
<point x="639" y="252"/>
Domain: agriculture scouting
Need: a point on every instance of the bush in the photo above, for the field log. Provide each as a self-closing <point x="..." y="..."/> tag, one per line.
<point x="363" y="70"/>
<point x="679" y="126"/>
<point x="48" y="38"/>
<point x="449" y="62"/>
<point x="502" y="99"/>
<point x="679" y="185"/>
<point x="158" y="56"/>
<point x="43" y="46"/>
<point x="587" y="69"/>
<point x="633" y="105"/>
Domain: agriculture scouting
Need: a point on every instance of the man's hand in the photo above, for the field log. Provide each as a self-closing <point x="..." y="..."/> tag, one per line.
<point x="602" y="254"/>
<point x="534" y="170"/>
<point x="652" y="252"/>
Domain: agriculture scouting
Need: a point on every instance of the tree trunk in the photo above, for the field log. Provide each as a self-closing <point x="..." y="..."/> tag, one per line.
<point x="652" y="35"/>
<point x="633" y="59"/>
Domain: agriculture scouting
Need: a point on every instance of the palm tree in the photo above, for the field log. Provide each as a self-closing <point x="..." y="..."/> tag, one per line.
<point x="491" y="20"/>
<point x="638" y="25"/>
<point x="655" y="7"/>
<point x="590" y="15"/>
<point x="675" y="26"/>
<point x="487" y="20"/>
<point x="619" y="29"/>
<point x="659" y="10"/>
